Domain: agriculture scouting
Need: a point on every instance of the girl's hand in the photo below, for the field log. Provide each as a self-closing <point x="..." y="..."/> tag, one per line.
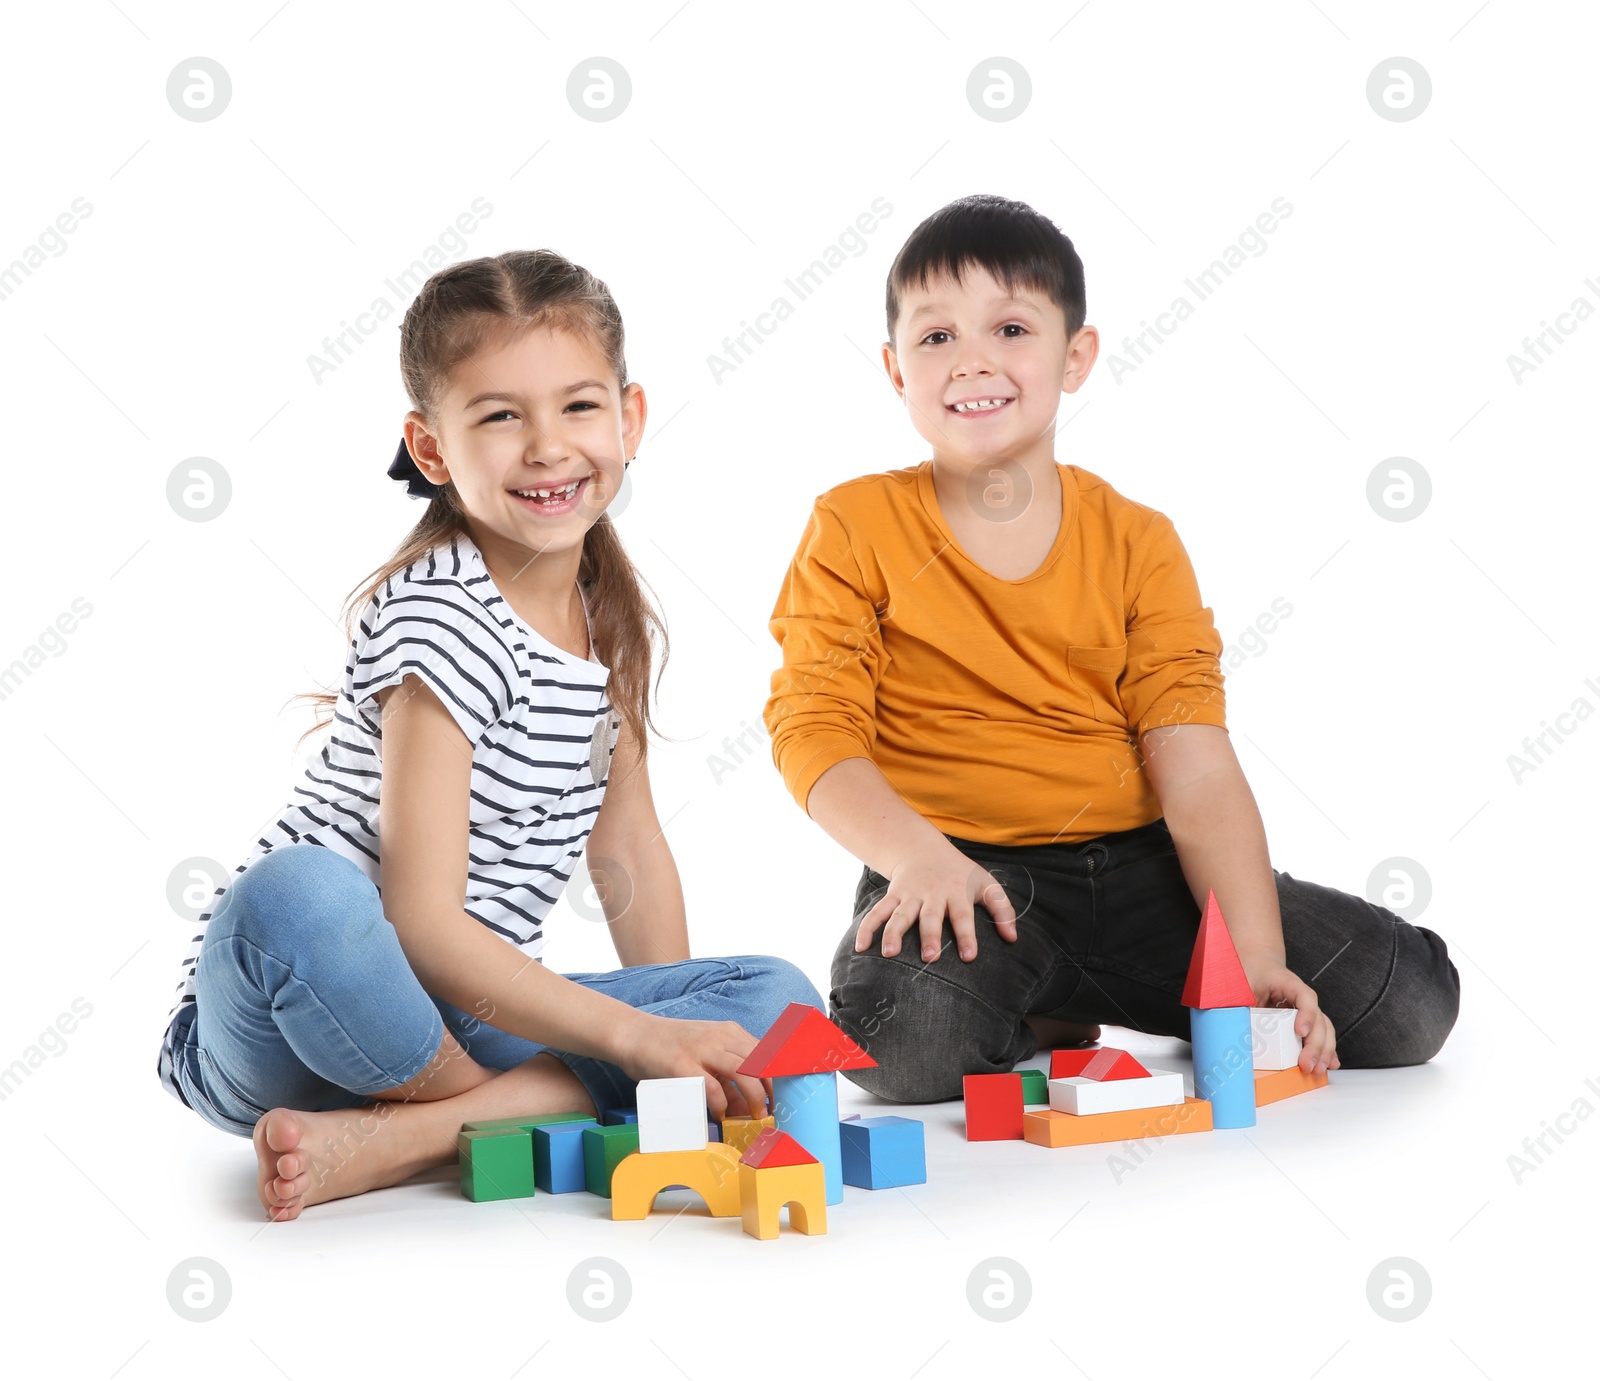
<point x="1275" y="986"/>
<point x="675" y="1047"/>
<point x="927" y="887"/>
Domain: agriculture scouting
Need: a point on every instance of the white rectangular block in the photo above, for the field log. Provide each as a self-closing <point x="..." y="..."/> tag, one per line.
<point x="1273" y="1043"/>
<point x="672" y="1114"/>
<point x="1163" y="1089"/>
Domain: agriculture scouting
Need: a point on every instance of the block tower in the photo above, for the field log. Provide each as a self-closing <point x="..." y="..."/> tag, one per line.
<point x="1219" y="1000"/>
<point x="802" y="1053"/>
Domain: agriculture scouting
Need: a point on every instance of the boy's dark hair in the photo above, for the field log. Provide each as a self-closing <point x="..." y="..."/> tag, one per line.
<point x="1015" y="243"/>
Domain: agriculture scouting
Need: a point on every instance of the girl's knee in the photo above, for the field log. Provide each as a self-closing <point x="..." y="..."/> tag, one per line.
<point x="782" y="981"/>
<point x="301" y="889"/>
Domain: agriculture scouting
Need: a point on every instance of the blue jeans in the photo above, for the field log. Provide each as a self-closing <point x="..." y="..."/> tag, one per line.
<point x="304" y="999"/>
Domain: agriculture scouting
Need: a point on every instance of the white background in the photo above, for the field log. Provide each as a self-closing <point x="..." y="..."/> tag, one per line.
<point x="1375" y="721"/>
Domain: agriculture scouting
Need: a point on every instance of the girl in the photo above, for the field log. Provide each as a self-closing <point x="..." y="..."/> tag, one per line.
<point x="492" y="725"/>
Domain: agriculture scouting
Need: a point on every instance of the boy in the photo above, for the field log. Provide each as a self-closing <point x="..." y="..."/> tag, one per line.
<point x="1001" y="692"/>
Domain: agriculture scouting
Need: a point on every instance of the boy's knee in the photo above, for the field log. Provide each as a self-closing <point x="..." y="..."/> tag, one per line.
<point x="925" y="1036"/>
<point x="1416" y="1011"/>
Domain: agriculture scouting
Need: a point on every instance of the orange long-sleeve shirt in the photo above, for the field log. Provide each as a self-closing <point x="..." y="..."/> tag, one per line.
<point x="1005" y="711"/>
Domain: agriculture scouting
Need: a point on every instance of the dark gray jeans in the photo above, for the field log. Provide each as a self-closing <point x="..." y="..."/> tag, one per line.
<point x="1105" y="931"/>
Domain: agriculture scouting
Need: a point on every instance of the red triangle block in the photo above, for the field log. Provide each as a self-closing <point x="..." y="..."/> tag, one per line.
<point x="1111" y="1063"/>
<point x="1216" y="977"/>
<point x="803" y="1041"/>
<point x="774" y="1148"/>
<point x="1069" y="1064"/>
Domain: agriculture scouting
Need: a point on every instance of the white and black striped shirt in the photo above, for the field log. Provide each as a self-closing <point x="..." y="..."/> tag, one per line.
<point x="542" y="734"/>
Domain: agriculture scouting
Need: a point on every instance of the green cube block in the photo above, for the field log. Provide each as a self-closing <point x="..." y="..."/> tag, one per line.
<point x="1035" y="1086"/>
<point x="603" y="1148"/>
<point x="526" y="1124"/>
<point x="496" y="1164"/>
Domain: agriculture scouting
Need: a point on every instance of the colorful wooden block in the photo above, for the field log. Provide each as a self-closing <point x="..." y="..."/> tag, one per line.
<point x="619" y="1117"/>
<point x="1273" y="1084"/>
<point x="1220" y="1037"/>
<point x="1216" y="978"/>
<point x="496" y="1163"/>
<point x="603" y="1150"/>
<point x="1273" y="1042"/>
<point x="803" y="1041"/>
<point x="672" y="1114"/>
<point x="806" y="1106"/>
<point x="712" y="1172"/>
<point x="739" y="1132"/>
<point x="1048" y="1127"/>
<point x="993" y="1106"/>
<point x="1035" y="1086"/>
<point x="883" y="1152"/>
<point x="558" y="1156"/>
<point x="543" y="1119"/>
<point x="1110" y="1063"/>
<point x="1069" y="1064"/>
<point x="762" y="1193"/>
<point x="1086" y="1097"/>
<point x="773" y="1149"/>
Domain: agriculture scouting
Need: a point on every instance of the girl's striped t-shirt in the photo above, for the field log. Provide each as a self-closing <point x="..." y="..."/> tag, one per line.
<point x="542" y="732"/>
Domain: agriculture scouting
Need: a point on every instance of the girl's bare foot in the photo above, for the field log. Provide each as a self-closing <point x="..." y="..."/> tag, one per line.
<point x="304" y="1158"/>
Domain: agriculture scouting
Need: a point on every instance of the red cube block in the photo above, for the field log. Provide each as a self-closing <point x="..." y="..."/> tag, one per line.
<point x="994" y="1106"/>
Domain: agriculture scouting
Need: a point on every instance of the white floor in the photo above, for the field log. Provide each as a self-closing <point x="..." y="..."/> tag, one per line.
<point x="1218" y="1253"/>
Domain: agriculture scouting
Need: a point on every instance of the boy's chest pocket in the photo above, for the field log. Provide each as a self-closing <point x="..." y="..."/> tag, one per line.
<point x="1094" y="673"/>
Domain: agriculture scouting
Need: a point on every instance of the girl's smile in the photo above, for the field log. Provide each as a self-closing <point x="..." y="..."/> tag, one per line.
<point x="552" y="499"/>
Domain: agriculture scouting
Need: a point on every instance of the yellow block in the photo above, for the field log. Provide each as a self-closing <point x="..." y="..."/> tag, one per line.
<point x="763" y="1192"/>
<point x="712" y="1173"/>
<point x="1273" y="1084"/>
<point x="1047" y="1127"/>
<point x="739" y="1132"/>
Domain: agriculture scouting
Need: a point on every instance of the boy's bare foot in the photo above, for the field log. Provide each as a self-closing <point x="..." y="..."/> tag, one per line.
<point x="1054" y="1034"/>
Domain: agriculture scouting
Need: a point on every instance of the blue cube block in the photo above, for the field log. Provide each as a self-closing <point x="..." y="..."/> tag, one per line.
<point x="713" y="1130"/>
<point x="883" y="1152"/>
<point x="558" y="1157"/>
<point x="616" y="1117"/>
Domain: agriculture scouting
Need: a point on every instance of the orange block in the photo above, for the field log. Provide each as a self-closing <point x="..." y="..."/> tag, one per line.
<point x="1050" y="1128"/>
<point x="1273" y="1084"/>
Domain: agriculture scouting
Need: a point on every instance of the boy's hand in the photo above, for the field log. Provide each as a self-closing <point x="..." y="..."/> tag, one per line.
<point x="1275" y="986"/>
<point x="676" y="1047"/>
<point x="927" y="887"/>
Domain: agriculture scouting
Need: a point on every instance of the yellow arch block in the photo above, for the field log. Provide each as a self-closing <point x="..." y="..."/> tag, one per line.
<point x="763" y="1192"/>
<point x="712" y="1173"/>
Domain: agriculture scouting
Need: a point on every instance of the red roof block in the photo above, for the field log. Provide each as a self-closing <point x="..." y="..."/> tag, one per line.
<point x="774" y="1148"/>
<point x="1068" y="1064"/>
<point x="803" y="1041"/>
<point x="1216" y="977"/>
<point x="1111" y="1063"/>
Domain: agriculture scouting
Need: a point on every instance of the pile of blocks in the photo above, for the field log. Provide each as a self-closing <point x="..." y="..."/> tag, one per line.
<point x="801" y="1156"/>
<point x="1244" y="1057"/>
